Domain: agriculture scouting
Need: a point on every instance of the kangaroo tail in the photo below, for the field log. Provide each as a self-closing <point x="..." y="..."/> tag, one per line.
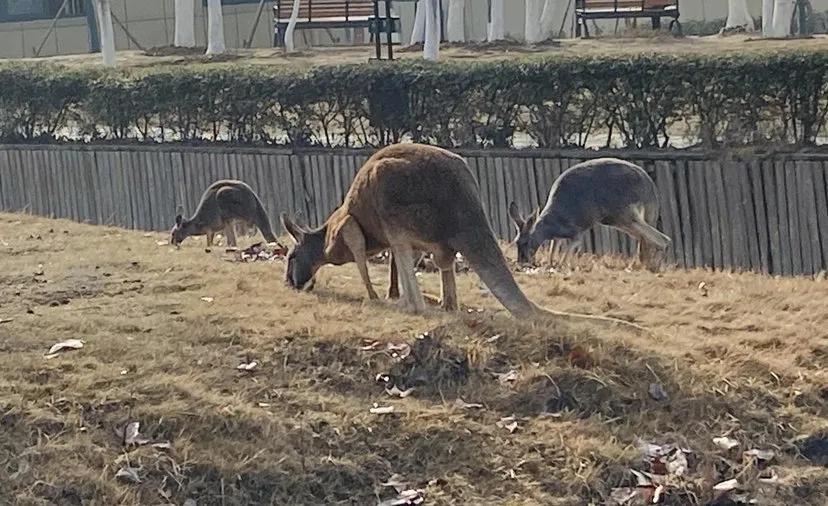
<point x="486" y="259"/>
<point x="262" y="222"/>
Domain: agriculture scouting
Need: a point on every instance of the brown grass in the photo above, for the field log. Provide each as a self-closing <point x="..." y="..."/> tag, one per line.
<point x="746" y="358"/>
<point x="640" y="42"/>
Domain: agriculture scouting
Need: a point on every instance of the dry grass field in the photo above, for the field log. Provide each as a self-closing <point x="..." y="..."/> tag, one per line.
<point x="502" y="411"/>
<point x="645" y="42"/>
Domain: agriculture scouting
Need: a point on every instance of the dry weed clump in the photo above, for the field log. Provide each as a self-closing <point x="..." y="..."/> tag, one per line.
<point x="208" y="380"/>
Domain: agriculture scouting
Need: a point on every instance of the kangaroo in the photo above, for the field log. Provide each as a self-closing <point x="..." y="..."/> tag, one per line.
<point x="608" y="191"/>
<point x="408" y="197"/>
<point x="223" y="206"/>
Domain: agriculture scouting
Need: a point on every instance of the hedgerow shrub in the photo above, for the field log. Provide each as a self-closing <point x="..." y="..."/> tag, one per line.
<point x="641" y="101"/>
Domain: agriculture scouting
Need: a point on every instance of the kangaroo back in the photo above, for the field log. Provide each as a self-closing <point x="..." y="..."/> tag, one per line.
<point x="598" y="190"/>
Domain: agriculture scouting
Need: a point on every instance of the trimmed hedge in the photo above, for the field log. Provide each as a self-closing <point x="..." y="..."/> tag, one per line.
<point x="642" y="101"/>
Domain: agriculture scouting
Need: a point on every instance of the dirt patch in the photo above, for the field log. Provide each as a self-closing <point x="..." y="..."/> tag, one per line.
<point x="431" y="365"/>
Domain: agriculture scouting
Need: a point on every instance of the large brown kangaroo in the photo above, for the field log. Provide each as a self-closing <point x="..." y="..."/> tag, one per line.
<point x="608" y="191"/>
<point x="409" y="197"/>
<point x="223" y="206"/>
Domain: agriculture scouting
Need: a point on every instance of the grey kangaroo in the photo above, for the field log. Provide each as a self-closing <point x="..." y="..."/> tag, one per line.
<point x="408" y="197"/>
<point x="224" y="205"/>
<point x="608" y="191"/>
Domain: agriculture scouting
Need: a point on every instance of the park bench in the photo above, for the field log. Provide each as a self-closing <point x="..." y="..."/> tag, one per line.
<point x="625" y="9"/>
<point x="328" y="14"/>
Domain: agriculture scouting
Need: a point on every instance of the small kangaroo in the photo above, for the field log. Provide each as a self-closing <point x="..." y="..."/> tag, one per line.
<point x="609" y="191"/>
<point x="224" y="205"/>
<point x="408" y="197"/>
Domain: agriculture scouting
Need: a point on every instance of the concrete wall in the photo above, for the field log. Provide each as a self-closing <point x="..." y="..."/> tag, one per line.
<point x="152" y="23"/>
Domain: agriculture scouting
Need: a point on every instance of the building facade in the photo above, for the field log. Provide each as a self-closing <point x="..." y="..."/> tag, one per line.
<point x="25" y="23"/>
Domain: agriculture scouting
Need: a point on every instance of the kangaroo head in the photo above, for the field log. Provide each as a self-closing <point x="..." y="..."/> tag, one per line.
<point x="180" y="231"/>
<point x="525" y="240"/>
<point x="306" y="256"/>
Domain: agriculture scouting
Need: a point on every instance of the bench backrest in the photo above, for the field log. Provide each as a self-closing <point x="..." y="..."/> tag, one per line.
<point x="626" y="4"/>
<point x="319" y="10"/>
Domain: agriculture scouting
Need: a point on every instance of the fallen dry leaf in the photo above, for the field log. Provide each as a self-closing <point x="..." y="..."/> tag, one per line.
<point x="163" y="445"/>
<point x="207" y="299"/>
<point x="398" y="351"/>
<point x="506" y="377"/>
<point x="396" y="392"/>
<point x="369" y="345"/>
<point x="494" y="338"/>
<point x="645" y="479"/>
<point x="509" y="423"/>
<point x="69" y="344"/>
<point x="410" y="496"/>
<point x="6" y="320"/>
<point x="128" y="474"/>
<point x="703" y="289"/>
<point x="460" y="403"/>
<point x="396" y="481"/>
<point x="768" y="477"/>
<point x="765" y="455"/>
<point x="161" y="243"/>
<point x="726" y="486"/>
<point x="657" y="392"/>
<point x="247" y="366"/>
<point x="677" y="464"/>
<point x="132" y="435"/>
<point x="580" y="358"/>
<point x="631" y="496"/>
<point x="725" y="443"/>
<point x="381" y="410"/>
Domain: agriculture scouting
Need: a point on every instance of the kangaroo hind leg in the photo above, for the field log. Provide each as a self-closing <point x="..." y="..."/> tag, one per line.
<point x="448" y="285"/>
<point x="652" y="244"/>
<point x="412" y="298"/>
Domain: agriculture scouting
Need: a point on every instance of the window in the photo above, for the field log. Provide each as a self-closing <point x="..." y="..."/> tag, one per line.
<point x="28" y="10"/>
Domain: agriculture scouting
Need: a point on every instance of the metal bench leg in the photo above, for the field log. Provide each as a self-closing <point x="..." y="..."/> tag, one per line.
<point x="656" y="22"/>
<point x="675" y="22"/>
<point x="586" y="28"/>
<point x="279" y="36"/>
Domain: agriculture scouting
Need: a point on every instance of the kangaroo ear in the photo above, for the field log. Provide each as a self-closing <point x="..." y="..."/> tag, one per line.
<point x="178" y="219"/>
<point x="292" y="228"/>
<point x="515" y="215"/>
<point x="533" y="218"/>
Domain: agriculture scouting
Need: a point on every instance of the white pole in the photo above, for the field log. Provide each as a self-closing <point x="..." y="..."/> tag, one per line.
<point x="184" y="23"/>
<point x="431" y="46"/>
<point x="107" y="33"/>
<point x="455" y="26"/>
<point x="291" y="27"/>
<point x="532" y="28"/>
<point x="215" y="28"/>
<point x="496" y="28"/>
<point x="418" y="32"/>
<point x="782" y="14"/>
<point x="767" y="17"/>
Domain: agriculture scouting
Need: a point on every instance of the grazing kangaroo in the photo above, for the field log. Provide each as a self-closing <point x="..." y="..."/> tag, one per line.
<point x="224" y="205"/>
<point x="408" y="197"/>
<point x="608" y="191"/>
